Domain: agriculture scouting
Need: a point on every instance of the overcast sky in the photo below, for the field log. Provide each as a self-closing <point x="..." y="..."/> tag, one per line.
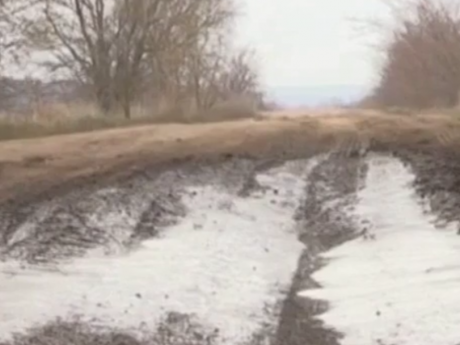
<point x="311" y="42"/>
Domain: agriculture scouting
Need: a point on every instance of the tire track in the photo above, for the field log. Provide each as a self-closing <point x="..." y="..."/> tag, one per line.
<point x="225" y="239"/>
<point x="114" y="219"/>
<point x="324" y="223"/>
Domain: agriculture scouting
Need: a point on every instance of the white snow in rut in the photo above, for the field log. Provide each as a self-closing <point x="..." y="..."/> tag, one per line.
<point x="225" y="262"/>
<point x="403" y="287"/>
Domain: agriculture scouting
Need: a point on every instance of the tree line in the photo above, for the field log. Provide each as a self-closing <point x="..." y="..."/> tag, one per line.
<point x="421" y="56"/>
<point x="121" y="50"/>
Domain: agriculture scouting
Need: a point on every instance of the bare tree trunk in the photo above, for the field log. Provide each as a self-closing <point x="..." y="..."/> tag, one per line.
<point x="126" y="107"/>
<point x="104" y="99"/>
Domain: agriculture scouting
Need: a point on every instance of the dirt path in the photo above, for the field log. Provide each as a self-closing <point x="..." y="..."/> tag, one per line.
<point x="220" y="254"/>
<point x="216" y="234"/>
<point x="331" y="190"/>
<point x="245" y="252"/>
<point x="397" y="284"/>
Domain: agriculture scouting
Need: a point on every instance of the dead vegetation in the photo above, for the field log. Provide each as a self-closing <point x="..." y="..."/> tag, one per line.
<point x="30" y="167"/>
<point x="66" y="119"/>
<point x="111" y="65"/>
<point x="156" y="57"/>
<point x="421" y="59"/>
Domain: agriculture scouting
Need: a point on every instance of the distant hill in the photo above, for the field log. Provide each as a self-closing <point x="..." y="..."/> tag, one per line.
<point x="313" y="96"/>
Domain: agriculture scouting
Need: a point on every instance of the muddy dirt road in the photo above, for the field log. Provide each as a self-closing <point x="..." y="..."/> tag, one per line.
<point x="354" y="245"/>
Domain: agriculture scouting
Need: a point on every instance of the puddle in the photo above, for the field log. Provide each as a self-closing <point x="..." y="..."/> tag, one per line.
<point x="227" y="262"/>
<point x="401" y="286"/>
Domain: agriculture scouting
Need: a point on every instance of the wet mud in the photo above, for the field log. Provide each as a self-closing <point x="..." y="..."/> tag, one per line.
<point x="139" y="207"/>
<point x="323" y="223"/>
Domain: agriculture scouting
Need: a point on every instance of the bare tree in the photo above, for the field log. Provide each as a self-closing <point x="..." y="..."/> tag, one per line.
<point x="221" y="74"/>
<point x="184" y="71"/>
<point x="9" y="40"/>
<point x="111" y="45"/>
<point x="241" y="77"/>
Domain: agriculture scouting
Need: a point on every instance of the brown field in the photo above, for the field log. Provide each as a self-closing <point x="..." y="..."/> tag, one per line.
<point x="31" y="166"/>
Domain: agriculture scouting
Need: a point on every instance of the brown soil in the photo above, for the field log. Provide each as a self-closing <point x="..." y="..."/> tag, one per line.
<point x="28" y="168"/>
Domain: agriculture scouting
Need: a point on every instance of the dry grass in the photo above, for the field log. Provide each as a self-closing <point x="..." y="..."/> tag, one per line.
<point x="54" y="119"/>
<point x="30" y="166"/>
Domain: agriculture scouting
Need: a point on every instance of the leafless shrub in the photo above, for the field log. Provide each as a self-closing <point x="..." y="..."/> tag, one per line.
<point x="422" y="57"/>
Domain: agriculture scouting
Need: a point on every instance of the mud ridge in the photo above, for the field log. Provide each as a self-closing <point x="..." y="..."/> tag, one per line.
<point x="437" y="180"/>
<point x="323" y="223"/>
<point x="111" y="219"/>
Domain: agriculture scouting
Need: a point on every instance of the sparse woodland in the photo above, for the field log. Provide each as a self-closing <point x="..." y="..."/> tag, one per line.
<point x="170" y="60"/>
<point x="421" y="66"/>
<point x="158" y="55"/>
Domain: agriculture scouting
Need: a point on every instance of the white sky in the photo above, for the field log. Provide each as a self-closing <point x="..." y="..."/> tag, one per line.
<point x="312" y="42"/>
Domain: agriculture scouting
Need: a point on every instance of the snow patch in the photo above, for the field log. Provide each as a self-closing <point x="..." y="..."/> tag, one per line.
<point x="227" y="261"/>
<point x="403" y="286"/>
